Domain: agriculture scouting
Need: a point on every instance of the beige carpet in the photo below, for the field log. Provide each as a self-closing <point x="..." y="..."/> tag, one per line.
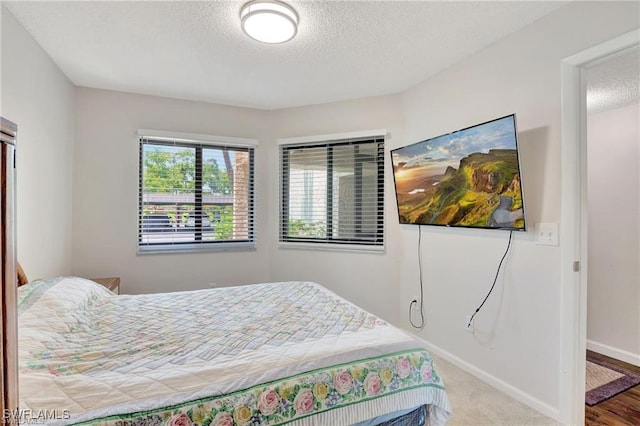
<point x="476" y="403"/>
<point x="598" y="375"/>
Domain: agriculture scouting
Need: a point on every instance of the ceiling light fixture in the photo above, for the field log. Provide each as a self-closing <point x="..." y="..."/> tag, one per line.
<point x="269" y="21"/>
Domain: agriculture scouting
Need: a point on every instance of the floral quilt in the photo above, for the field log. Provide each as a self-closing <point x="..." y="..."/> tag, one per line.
<point x="263" y="354"/>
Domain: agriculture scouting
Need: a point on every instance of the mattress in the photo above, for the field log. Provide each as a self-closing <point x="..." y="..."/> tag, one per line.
<point x="273" y="353"/>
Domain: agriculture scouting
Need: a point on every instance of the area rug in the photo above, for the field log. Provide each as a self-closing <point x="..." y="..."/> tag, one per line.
<point x="605" y="381"/>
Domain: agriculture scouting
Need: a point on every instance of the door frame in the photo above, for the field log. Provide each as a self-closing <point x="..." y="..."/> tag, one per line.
<point x="573" y="235"/>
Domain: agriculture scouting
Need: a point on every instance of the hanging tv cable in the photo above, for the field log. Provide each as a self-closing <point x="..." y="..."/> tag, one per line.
<point x="414" y="301"/>
<point x="495" y="279"/>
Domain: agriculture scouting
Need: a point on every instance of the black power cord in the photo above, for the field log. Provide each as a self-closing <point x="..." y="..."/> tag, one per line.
<point x="495" y="279"/>
<point x="414" y="302"/>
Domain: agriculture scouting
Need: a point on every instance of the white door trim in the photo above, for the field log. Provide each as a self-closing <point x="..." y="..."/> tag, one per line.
<point x="573" y="241"/>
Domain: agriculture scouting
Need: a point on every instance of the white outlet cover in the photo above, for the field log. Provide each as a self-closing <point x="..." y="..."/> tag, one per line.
<point x="468" y="327"/>
<point x="547" y="234"/>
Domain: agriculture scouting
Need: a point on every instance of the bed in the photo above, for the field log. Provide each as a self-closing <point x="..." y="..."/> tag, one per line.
<point x="262" y="354"/>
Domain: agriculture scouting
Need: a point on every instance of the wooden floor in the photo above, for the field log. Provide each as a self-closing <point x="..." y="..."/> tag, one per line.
<point x="621" y="410"/>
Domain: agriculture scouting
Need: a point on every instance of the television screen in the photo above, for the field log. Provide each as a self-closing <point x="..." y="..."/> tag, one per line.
<point x="468" y="178"/>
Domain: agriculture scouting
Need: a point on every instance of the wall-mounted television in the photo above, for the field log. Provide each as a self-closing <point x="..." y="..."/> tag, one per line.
<point x="468" y="178"/>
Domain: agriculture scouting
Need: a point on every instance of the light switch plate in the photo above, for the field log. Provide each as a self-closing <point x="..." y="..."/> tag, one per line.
<point x="547" y="234"/>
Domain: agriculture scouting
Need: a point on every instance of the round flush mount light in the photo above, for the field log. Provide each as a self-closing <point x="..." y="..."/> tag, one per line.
<point x="269" y="21"/>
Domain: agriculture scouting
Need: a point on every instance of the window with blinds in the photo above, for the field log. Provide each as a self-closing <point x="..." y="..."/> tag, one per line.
<point x="195" y="195"/>
<point x="333" y="192"/>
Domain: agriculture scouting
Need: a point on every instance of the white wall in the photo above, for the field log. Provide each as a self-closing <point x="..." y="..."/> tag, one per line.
<point x="105" y="191"/>
<point x="369" y="279"/>
<point x="38" y="97"/>
<point x="613" y="312"/>
<point x="517" y="340"/>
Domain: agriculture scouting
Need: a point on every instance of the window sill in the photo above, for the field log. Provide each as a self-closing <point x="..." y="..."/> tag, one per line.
<point x="353" y="248"/>
<point x="195" y="248"/>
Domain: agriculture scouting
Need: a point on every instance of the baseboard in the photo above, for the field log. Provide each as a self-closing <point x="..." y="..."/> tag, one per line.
<point x="502" y="386"/>
<point x="612" y="352"/>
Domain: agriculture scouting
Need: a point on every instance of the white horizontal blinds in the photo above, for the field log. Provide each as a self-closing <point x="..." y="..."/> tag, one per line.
<point x="194" y="193"/>
<point x="333" y="192"/>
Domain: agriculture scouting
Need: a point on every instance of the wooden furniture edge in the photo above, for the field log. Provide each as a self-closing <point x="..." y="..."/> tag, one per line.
<point x="112" y="283"/>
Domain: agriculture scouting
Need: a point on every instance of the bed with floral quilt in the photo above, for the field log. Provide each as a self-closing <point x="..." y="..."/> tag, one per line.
<point x="262" y="354"/>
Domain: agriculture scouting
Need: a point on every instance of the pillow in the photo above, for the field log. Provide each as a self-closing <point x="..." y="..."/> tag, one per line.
<point x="61" y="295"/>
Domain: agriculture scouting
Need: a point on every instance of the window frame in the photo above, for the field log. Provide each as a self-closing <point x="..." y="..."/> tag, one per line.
<point x="194" y="140"/>
<point x="329" y="141"/>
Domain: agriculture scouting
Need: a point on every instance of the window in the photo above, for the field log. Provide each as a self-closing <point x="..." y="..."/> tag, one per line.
<point x="195" y="195"/>
<point x="333" y="192"/>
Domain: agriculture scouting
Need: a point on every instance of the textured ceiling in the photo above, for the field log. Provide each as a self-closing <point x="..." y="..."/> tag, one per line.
<point x="615" y="82"/>
<point x="197" y="51"/>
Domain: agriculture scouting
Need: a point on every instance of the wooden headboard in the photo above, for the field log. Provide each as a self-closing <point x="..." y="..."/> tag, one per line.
<point x="22" y="277"/>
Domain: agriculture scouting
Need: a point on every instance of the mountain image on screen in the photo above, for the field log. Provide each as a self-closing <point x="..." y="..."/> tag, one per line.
<point x="468" y="178"/>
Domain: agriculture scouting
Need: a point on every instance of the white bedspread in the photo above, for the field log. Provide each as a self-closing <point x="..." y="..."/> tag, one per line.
<point x="258" y="354"/>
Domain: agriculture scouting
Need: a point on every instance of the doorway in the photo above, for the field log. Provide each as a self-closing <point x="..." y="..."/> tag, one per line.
<point x="613" y="243"/>
<point x="574" y="231"/>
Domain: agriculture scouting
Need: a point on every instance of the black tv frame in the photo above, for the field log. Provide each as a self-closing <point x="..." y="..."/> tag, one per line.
<point x="506" y="228"/>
